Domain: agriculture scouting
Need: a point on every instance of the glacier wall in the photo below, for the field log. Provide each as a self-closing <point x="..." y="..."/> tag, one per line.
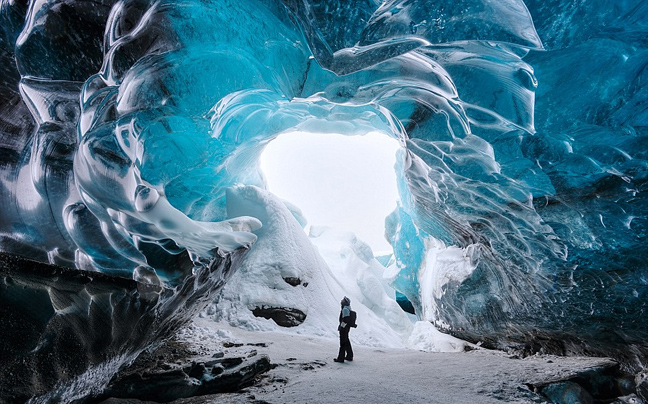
<point x="123" y="123"/>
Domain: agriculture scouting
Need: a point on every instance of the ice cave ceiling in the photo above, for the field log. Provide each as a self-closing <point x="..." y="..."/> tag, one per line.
<point x="123" y="123"/>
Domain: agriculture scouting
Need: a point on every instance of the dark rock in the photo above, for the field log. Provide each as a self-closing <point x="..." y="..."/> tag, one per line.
<point x="61" y="327"/>
<point x="292" y="281"/>
<point x="232" y="344"/>
<point x="284" y="317"/>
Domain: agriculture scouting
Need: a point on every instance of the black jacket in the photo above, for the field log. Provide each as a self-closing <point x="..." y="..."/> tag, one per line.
<point x="347" y="320"/>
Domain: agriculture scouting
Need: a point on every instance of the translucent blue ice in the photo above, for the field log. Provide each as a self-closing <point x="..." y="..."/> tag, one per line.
<point x="532" y="156"/>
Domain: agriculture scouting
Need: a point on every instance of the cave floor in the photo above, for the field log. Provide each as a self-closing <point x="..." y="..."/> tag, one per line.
<point x="305" y="371"/>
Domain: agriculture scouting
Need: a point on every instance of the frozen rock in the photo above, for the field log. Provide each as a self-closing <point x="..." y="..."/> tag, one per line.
<point x="285" y="317"/>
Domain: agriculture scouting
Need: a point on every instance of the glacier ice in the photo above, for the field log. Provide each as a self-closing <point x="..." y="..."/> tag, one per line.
<point x="123" y="123"/>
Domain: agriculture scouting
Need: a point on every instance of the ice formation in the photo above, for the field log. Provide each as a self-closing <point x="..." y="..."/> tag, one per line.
<point x="123" y="123"/>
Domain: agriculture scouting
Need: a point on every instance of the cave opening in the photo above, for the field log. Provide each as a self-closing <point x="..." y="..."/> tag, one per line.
<point x="338" y="181"/>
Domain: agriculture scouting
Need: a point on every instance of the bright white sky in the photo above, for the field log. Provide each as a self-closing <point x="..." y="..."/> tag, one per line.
<point x="348" y="182"/>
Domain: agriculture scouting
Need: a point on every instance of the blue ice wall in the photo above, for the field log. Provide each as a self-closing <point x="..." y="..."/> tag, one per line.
<point x="124" y="122"/>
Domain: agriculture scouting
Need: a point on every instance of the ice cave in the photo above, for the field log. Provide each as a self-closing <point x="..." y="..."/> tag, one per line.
<point x="134" y="200"/>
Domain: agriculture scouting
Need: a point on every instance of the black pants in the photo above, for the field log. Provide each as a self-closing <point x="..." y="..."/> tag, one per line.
<point x="346" y="352"/>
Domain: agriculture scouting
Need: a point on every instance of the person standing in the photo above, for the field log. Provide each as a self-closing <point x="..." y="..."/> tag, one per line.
<point x="347" y="321"/>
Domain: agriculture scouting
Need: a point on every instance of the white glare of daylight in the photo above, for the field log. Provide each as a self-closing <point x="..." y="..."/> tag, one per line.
<point x="346" y="182"/>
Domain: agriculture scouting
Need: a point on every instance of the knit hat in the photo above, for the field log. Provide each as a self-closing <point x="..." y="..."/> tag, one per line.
<point x="346" y="301"/>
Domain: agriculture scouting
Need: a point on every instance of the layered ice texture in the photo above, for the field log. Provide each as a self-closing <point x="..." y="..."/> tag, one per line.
<point x="522" y="172"/>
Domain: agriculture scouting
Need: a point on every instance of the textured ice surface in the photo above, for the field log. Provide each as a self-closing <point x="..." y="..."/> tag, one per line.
<point x="123" y="123"/>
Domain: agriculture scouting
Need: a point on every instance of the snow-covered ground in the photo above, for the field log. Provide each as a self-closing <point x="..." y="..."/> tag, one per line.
<point x="306" y="373"/>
